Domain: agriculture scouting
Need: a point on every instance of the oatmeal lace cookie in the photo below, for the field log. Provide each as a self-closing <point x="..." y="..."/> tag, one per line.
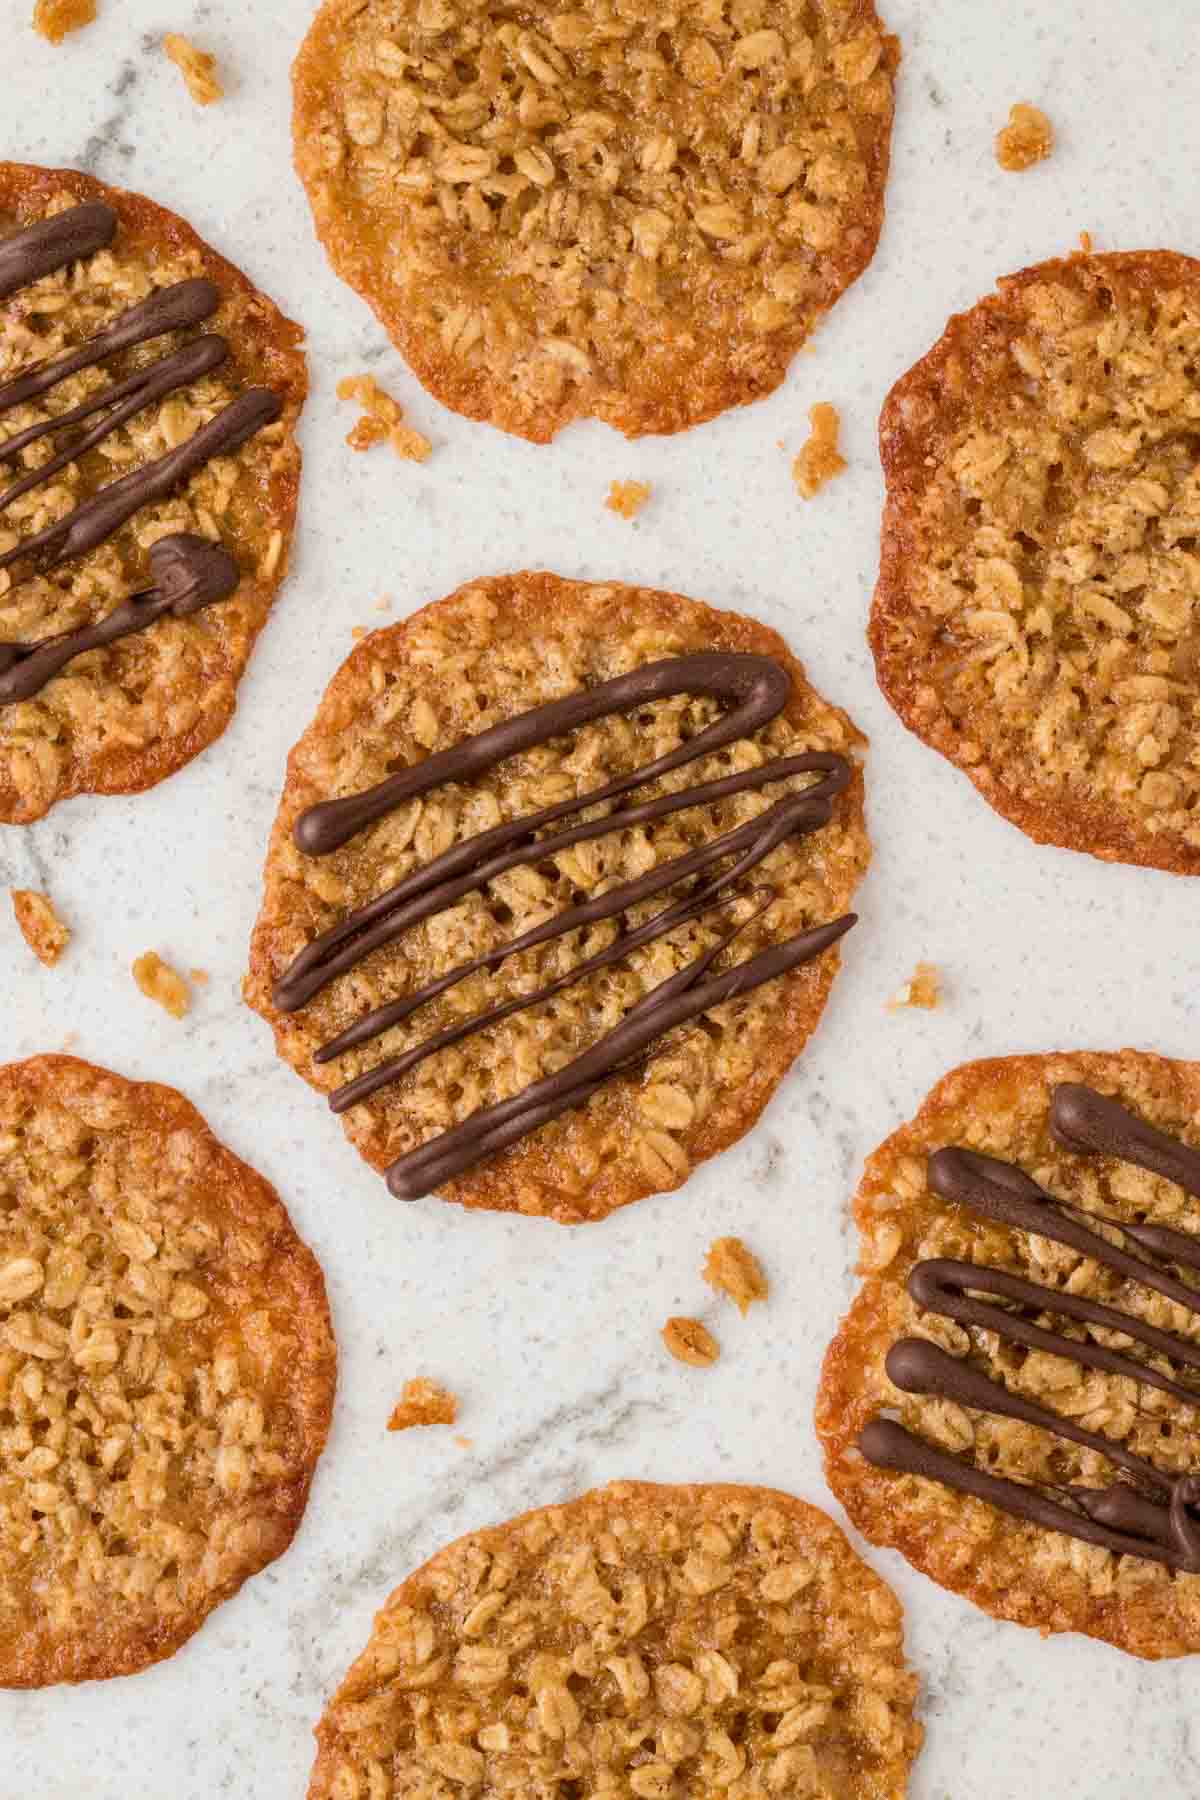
<point x="1037" y="618"/>
<point x="640" y="1641"/>
<point x="148" y="476"/>
<point x="166" y="1373"/>
<point x="553" y="888"/>
<point x="620" y="211"/>
<point x="1012" y="1400"/>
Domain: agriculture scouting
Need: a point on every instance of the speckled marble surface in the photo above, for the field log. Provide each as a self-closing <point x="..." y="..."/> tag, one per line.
<point x="550" y="1336"/>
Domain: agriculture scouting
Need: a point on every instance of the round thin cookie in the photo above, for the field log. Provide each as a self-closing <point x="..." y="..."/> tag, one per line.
<point x="553" y="889"/>
<point x="167" y="1371"/>
<point x="597" y="211"/>
<point x="1036" y="618"/>
<point x="148" y="475"/>
<point x="1012" y="1399"/>
<point x="642" y="1641"/>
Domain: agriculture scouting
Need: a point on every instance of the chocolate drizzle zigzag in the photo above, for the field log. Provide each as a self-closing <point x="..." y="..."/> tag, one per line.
<point x="756" y="689"/>
<point x="1152" y="1519"/>
<point x="196" y="574"/>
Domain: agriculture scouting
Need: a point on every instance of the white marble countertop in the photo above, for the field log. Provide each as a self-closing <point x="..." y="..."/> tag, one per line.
<point x="550" y="1336"/>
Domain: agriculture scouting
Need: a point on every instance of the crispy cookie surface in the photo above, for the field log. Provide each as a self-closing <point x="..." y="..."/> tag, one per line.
<point x="1013" y="1569"/>
<point x="166" y="1373"/>
<point x="487" y="653"/>
<point x="612" y="211"/>
<point x="1036" y="618"/>
<point x="123" y="717"/>
<point x="640" y="1641"/>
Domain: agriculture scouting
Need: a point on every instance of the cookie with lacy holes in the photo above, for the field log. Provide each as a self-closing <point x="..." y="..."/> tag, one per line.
<point x="554" y="889"/>
<point x="641" y="1640"/>
<point x="1012" y="1400"/>
<point x="1036" y="618"/>
<point x="633" y="213"/>
<point x="166" y="1373"/>
<point x="148" y="474"/>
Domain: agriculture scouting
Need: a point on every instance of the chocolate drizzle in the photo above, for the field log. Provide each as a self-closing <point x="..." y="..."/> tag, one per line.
<point x="756" y="689"/>
<point x="1153" y="1520"/>
<point x="42" y="250"/>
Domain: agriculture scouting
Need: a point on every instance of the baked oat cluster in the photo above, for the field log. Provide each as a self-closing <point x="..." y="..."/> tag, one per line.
<point x="492" y="651"/>
<point x="166" y="1373"/>
<point x="642" y="1643"/>
<point x="1037" y="618"/>
<point x="1014" y="1569"/>
<point x="122" y="717"/>
<point x="608" y="209"/>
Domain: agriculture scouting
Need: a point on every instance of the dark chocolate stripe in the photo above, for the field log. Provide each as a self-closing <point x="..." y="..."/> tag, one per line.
<point x="1117" y="1517"/>
<point x="756" y="688"/>
<point x="674" y="1002"/>
<point x="53" y="244"/>
<point x="195" y="567"/>
<point x="440" y="884"/>
<point x="189" y="573"/>
<point x="98" y="518"/>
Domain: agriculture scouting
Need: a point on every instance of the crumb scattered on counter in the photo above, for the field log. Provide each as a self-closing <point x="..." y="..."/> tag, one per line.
<point x="382" y="418"/>
<point x="199" y="977"/>
<point x="198" y="68"/>
<point x="820" y="460"/>
<point x="1028" y="138"/>
<point x="691" y="1342"/>
<point x="736" y="1271"/>
<point x="40" y="925"/>
<point x="163" y="984"/>
<point x="465" y="1443"/>
<point x="55" y="18"/>
<point x="1085" y="243"/>
<point x="423" y="1402"/>
<point x="358" y="633"/>
<point x="923" y="989"/>
<point x="627" y="497"/>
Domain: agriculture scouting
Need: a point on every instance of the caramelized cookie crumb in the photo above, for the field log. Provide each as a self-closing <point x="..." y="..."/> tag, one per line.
<point x="736" y="1271"/>
<point x="197" y="67"/>
<point x="1028" y="138"/>
<point x="819" y="461"/>
<point x="627" y="497"/>
<point x="160" y="982"/>
<point x="382" y="418"/>
<point x="55" y="18"/>
<point x="922" y="989"/>
<point x="423" y="1402"/>
<point x="690" y="1342"/>
<point x="40" y="925"/>
<point x="199" y="977"/>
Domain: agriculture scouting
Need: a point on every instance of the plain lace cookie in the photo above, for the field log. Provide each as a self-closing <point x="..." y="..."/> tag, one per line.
<point x="1037" y="617"/>
<point x="630" y="212"/>
<point x="642" y="1641"/>
<point x="1012" y="1400"/>
<point x="167" y="1370"/>
<point x="148" y="475"/>
<point x="555" y="888"/>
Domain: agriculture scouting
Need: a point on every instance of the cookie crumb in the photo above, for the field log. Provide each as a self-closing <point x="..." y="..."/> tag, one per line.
<point x="40" y="925"/>
<point x="465" y="1443"/>
<point x="691" y="1342"/>
<point x="627" y="497"/>
<point x="1085" y="243"/>
<point x="382" y="418"/>
<point x="197" y="67"/>
<point x="423" y="1402"/>
<point x="1028" y="138"/>
<point x="922" y="989"/>
<point x="55" y="18"/>
<point x="199" y="977"/>
<point x="358" y="633"/>
<point x="736" y="1271"/>
<point x="819" y="461"/>
<point x="161" y="983"/>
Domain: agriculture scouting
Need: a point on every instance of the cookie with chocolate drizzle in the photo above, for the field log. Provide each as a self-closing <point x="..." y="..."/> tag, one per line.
<point x="148" y="474"/>
<point x="1014" y="1399"/>
<point x="554" y="889"/>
